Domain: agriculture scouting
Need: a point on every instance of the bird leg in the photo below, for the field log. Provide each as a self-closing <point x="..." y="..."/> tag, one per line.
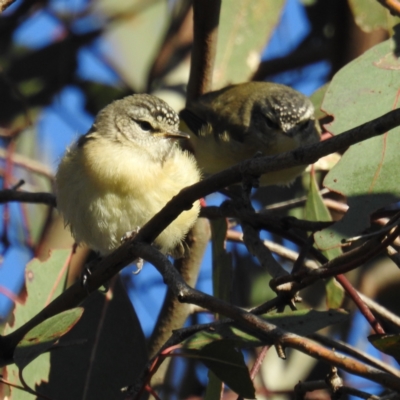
<point x="251" y="181"/>
<point x="128" y="236"/>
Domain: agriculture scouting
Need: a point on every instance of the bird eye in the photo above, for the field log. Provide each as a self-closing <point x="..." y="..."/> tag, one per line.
<point x="271" y="124"/>
<point x="305" y="125"/>
<point x="145" y="126"/>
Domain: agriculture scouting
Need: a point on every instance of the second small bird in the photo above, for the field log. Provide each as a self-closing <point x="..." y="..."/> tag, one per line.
<point x="234" y="123"/>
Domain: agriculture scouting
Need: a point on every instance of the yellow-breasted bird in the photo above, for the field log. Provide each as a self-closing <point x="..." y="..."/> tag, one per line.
<point x="234" y="123"/>
<point x="123" y="171"/>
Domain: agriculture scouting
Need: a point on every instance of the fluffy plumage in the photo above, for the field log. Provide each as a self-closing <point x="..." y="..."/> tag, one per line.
<point x="123" y="171"/>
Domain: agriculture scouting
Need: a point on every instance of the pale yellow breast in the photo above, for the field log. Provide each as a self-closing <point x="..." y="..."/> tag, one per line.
<point x="105" y="191"/>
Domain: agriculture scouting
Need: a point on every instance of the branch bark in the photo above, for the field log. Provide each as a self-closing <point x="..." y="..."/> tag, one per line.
<point x="206" y="20"/>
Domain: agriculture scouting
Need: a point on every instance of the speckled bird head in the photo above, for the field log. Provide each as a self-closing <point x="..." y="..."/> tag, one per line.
<point x="141" y="120"/>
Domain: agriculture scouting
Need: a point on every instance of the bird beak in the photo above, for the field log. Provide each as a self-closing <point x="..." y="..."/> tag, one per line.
<point x="173" y="135"/>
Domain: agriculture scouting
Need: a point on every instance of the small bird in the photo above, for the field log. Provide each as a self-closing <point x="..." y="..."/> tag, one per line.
<point x="123" y="171"/>
<point x="233" y="124"/>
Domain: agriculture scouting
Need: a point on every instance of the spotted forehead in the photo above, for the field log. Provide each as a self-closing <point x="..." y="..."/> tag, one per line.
<point x="158" y="109"/>
<point x="292" y="109"/>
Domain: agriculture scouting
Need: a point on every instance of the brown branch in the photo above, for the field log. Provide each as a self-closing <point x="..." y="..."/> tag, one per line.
<point x="381" y="311"/>
<point x="11" y="195"/>
<point x="173" y="313"/>
<point x="177" y="44"/>
<point x="392" y="5"/>
<point x="257" y="248"/>
<point x="288" y="204"/>
<point x="345" y="348"/>
<point x="29" y="164"/>
<point x="257" y="365"/>
<point x="300" y="57"/>
<point x="262" y="220"/>
<point x="276" y="248"/>
<point x="364" y="309"/>
<point x="4" y="4"/>
<point x="291" y="255"/>
<point x="268" y="333"/>
<point x="206" y="20"/>
<point x="303" y="387"/>
<point x="339" y="265"/>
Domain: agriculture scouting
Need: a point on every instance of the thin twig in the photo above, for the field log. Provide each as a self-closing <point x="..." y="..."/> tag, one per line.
<point x="337" y="206"/>
<point x="256" y="247"/>
<point x="257" y="365"/>
<point x="341" y="264"/>
<point x="276" y="248"/>
<point x="28" y="164"/>
<point x="364" y="309"/>
<point x="262" y="220"/>
<point x="345" y="348"/>
<point x="381" y="311"/>
<point x="287" y="204"/>
<point x="11" y="195"/>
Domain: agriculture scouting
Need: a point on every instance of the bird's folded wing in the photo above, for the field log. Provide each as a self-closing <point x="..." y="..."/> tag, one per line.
<point x="193" y="121"/>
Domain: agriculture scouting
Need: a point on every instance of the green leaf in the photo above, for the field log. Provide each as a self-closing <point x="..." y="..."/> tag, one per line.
<point x="316" y="210"/>
<point x="132" y="22"/>
<point x="227" y="363"/>
<point x="369" y="15"/>
<point x="214" y="387"/>
<point x="221" y="261"/>
<point x="305" y="322"/>
<point x="363" y="90"/>
<point x="316" y="98"/>
<point x="44" y="281"/>
<point x="244" y="29"/>
<point x="388" y="344"/>
<point x="301" y="322"/>
<point x="43" y="336"/>
<point x="104" y="352"/>
<point x="334" y="293"/>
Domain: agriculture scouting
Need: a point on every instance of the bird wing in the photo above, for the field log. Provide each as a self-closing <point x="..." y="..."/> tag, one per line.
<point x="192" y="120"/>
<point x="221" y="130"/>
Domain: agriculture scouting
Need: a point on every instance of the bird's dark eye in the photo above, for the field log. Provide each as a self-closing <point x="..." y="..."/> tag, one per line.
<point x="271" y="124"/>
<point x="145" y="126"/>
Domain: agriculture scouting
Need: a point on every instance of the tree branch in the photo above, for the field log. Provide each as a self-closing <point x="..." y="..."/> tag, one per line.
<point x="4" y="4"/>
<point x="392" y="5"/>
<point x="268" y="333"/>
<point x="11" y="195"/>
<point x="206" y="20"/>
